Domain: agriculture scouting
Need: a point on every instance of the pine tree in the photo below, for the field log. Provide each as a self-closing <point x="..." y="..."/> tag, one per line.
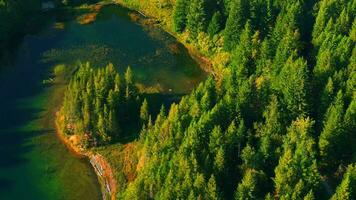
<point x="235" y="22"/>
<point x="216" y="140"/>
<point x="347" y="188"/>
<point x="197" y="18"/>
<point x="144" y="114"/>
<point x="270" y="133"/>
<point x="215" y="24"/>
<point x="295" y="90"/>
<point x="298" y="156"/>
<point x="180" y="15"/>
<point x="129" y="83"/>
<point x="326" y="98"/>
<point x="117" y="83"/>
<point x="250" y="186"/>
<point x="250" y="158"/>
<point x="212" y="191"/>
<point x="332" y="137"/>
<point x="287" y="48"/>
<point x="101" y="129"/>
<point x="350" y="127"/>
<point x="219" y="161"/>
<point x="128" y="76"/>
<point x="87" y="114"/>
<point x="309" y="196"/>
<point x="245" y="53"/>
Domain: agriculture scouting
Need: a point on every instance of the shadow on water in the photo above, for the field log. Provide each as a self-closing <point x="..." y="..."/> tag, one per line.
<point x="5" y="185"/>
<point x="12" y="147"/>
<point x="156" y="100"/>
<point x="34" y="164"/>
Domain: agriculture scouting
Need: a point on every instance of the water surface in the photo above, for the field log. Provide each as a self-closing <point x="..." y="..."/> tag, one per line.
<point x="33" y="163"/>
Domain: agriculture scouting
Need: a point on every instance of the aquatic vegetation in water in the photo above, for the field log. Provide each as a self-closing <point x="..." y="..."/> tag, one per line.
<point x="58" y="25"/>
<point x="87" y="18"/>
<point x="84" y="53"/>
<point x="90" y="17"/>
<point x="149" y="89"/>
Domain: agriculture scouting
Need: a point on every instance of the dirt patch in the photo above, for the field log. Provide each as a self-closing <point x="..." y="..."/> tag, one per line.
<point x="102" y="168"/>
<point x="105" y="175"/>
<point x="75" y="149"/>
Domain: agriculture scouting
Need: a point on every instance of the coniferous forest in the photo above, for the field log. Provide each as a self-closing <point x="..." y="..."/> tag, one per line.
<point x="275" y="119"/>
<point x="96" y="103"/>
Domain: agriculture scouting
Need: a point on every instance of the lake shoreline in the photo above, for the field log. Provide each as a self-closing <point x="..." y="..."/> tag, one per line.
<point x="204" y="62"/>
<point x="99" y="163"/>
<point x="101" y="166"/>
<point x="147" y="20"/>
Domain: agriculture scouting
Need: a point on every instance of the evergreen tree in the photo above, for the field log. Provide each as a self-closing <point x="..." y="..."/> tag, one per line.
<point x="250" y="186"/>
<point x="215" y="24"/>
<point x="144" y="114"/>
<point x="270" y="133"/>
<point x="347" y="188"/>
<point x="295" y="90"/>
<point x="297" y="172"/>
<point x="129" y="83"/>
<point x="229" y="138"/>
<point x="332" y="139"/>
<point x="180" y="15"/>
<point x="309" y="196"/>
<point x="212" y="192"/>
<point x="235" y="22"/>
<point x="197" y="18"/>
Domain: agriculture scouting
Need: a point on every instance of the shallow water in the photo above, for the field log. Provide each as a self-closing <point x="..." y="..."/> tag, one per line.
<point x="33" y="163"/>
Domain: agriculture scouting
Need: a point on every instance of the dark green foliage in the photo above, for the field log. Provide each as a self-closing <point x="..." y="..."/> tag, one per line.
<point x="197" y="17"/>
<point x="251" y="185"/>
<point x="336" y="139"/>
<point x="246" y="53"/>
<point x="347" y="188"/>
<point x="144" y="114"/>
<point x="297" y="172"/>
<point x="215" y="24"/>
<point x="180" y="15"/>
<point x="278" y="122"/>
<point x="294" y="86"/>
<point x="93" y="102"/>
<point x="16" y="19"/>
<point x="235" y="22"/>
<point x="271" y="134"/>
<point x="129" y="85"/>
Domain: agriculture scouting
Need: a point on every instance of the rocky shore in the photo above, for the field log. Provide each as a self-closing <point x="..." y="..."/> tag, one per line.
<point x="101" y="166"/>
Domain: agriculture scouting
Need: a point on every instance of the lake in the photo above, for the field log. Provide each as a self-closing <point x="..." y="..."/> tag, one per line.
<point x="33" y="163"/>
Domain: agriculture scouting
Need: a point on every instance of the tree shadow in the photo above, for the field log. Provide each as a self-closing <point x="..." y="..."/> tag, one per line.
<point x="132" y="129"/>
<point x="14" y="145"/>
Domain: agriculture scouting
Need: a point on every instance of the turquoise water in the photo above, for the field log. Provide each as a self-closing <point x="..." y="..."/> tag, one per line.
<point x="33" y="163"/>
